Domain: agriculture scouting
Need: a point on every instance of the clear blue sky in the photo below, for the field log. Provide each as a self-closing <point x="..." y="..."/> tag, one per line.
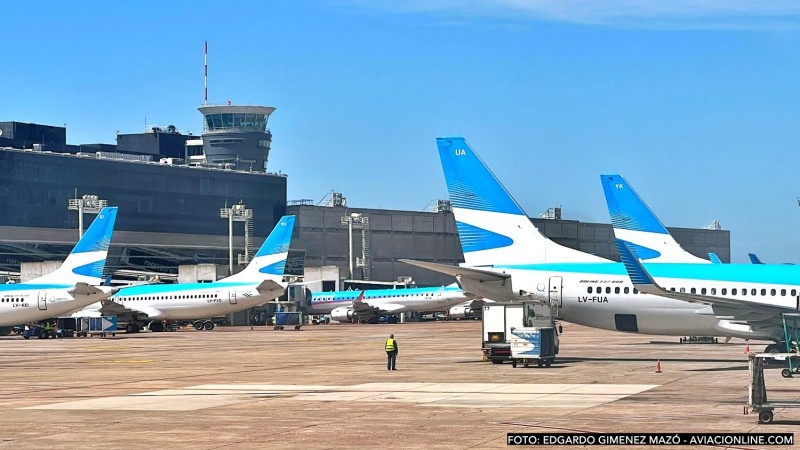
<point x="696" y="103"/>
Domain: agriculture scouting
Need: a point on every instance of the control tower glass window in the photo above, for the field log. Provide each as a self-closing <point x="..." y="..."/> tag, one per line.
<point x="238" y="121"/>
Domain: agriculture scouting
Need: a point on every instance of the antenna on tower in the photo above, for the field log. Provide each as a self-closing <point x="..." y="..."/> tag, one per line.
<point x="205" y="79"/>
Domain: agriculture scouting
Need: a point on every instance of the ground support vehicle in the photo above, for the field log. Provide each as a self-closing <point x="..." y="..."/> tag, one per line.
<point x="288" y="319"/>
<point x="533" y="345"/>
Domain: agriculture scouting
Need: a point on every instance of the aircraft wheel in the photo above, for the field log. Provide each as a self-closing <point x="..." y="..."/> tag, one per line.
<point x="765" y="416"/>
<point x="209" y="325"/>
<point x="198" y="325"/>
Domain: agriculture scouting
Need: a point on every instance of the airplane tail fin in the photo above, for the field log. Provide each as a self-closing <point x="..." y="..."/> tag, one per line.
<point x="87" y="261"/>
<point x="269" y="262"/>
<point x="714" y="258"/>
<point x="754" y="258"/>
<point x="492" y="227"/>
<point x="638" y="226"/>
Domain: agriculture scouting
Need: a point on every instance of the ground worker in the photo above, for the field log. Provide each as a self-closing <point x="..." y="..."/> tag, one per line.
<point x="391" y="353"/>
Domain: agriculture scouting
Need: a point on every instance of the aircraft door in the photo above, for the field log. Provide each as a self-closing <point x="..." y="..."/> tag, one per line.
<point x="232" y="297"/>
<point x="43" y="301"/>
<point x="555" y="291"/>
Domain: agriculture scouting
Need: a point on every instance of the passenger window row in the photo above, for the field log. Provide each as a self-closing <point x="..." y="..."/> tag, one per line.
<point x="169" y="297"/>
<point x="701" y="291"/>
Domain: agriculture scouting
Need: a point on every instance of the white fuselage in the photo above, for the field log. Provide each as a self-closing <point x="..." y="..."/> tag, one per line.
<point x="23" y="303"/>
<point x="191" y="300"/>
<point x="394" y="301"/>
<point x="607" y="301"/>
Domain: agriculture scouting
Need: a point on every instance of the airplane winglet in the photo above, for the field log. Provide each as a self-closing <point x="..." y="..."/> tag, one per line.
<point x="636" y="271"/>
<point x="714" y="258"/>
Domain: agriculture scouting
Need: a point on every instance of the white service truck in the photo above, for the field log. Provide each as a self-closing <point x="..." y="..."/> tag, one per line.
<point x="500" y="318"/>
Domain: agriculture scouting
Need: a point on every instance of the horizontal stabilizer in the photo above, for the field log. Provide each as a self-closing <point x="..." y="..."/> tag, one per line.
<point x="82" y="288"/>
<point x="480" y="283"/>
<point x="269" y="287"/>
<point x="457" y="271"/>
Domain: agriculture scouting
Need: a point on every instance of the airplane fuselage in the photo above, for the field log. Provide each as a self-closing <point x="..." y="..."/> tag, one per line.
<point x="23" y="303"/>
<point x="408" y="300"/>
<point x="188" y="301"/>
<point x="601" y="295"/>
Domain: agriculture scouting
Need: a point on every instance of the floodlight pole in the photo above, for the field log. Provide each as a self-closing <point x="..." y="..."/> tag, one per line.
<point x="88" y="203"/>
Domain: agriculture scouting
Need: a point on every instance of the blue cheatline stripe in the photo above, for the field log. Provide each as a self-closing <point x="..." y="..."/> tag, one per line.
<point x="151" y="289"/>
<point x="733" y="273"/>
<point x="279" y="239"/>
<point x="32" y="287"/>
<point x="474" y="238"/>
<point x="98" y="236"/>
<point x="635" y="271"/>
<point x="628" y="211"/>
<point x="343" y="296"/>
<point x="470" y="183"/>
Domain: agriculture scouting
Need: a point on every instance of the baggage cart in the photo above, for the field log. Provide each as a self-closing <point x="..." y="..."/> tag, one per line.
<point x="288" y="319"/>
<point x="533" y="345"/>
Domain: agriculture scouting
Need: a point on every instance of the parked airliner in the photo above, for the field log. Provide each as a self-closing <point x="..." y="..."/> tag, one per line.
<point x="744" y="295"/>
<point x="260" y="282"/>
<point x="507" y="259"/>
<point x="72" y="286"/>
<point x="368" y="305"/>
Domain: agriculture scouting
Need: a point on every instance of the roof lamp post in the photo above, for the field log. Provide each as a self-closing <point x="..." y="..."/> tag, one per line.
<point x="90" y="204"/>
<point x="236" y="213"/>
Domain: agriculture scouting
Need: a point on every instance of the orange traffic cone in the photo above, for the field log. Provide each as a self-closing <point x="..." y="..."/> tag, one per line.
<point x="747" y="347"/>
<point x="658" y="366"/>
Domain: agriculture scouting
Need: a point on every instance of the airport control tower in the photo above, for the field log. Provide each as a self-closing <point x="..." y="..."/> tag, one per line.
<point x="237" y="137"/>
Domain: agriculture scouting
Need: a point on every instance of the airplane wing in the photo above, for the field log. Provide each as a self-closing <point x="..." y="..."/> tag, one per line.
<point x="479" y="282"/>
<point x="728" y="308"/>
<point x="364" y="308"/>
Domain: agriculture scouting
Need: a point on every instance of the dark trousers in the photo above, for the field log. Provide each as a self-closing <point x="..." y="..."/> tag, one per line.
<point x="392" y="359"/>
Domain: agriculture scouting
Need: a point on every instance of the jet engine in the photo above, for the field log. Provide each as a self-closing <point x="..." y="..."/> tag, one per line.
<point x="460" y="312"/>
<point x="342" y="314"/>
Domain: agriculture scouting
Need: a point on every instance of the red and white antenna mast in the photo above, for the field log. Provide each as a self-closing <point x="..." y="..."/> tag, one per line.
<point x="205" y="80"/>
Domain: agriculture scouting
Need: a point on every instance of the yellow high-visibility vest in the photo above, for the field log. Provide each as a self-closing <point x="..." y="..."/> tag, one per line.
<point x="390" y="345"/>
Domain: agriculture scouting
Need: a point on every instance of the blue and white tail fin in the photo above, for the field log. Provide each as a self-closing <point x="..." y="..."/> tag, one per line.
<point x="635" y="224"/>
<point x="492" y="227"/>
<point x="714" y="258"/>
<point x="87" y="261"/>
<point x="754" y="258"/>
<point x="269" y="262"/>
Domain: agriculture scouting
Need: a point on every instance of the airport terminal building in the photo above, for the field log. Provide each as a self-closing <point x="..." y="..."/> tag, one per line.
<point x="170" y="188"/>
